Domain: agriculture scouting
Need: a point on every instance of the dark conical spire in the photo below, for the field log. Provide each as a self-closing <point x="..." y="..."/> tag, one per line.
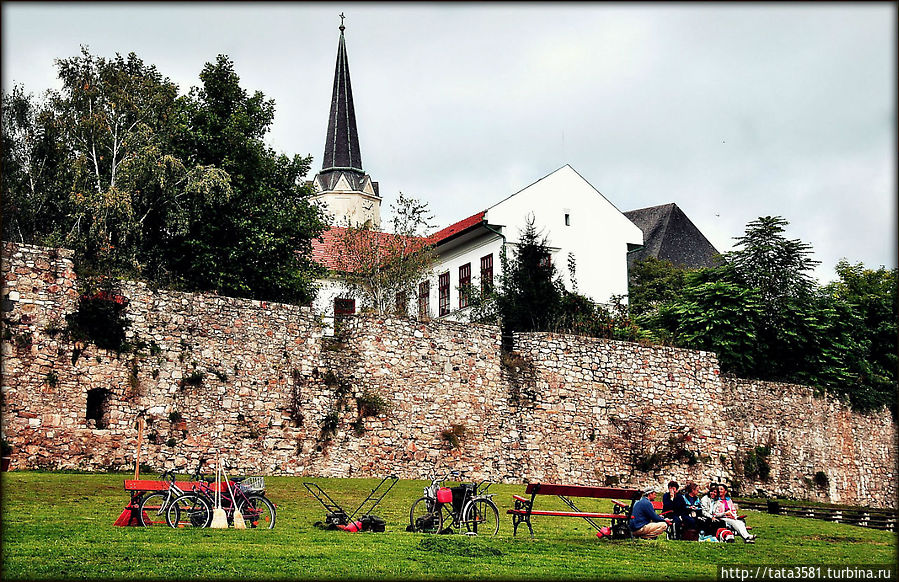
<point x="342" y="141"/>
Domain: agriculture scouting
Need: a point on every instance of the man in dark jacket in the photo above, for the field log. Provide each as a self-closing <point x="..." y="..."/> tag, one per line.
<point x="645" y="522"/>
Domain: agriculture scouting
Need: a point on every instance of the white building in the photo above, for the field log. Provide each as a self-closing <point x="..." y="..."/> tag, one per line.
<point x="578" y="221"/>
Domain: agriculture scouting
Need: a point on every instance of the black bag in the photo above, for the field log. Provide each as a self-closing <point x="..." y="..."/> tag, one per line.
<point x="459" y="495"/>
<point x="620" y="531"/>
<point x="423" y="523"/>
<point x="373" y="523"/>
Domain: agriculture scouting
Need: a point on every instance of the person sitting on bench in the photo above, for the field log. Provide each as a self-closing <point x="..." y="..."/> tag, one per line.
<point x="726" y="511"/>
<point x="708" y="523"/>
<point x="669" y="509"/>
<point x="687" y="507"/>
<point x="645" y="522"/>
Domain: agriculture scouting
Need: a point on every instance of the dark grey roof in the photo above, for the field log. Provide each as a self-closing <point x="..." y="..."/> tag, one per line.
<point x="669" y="235"/>
<point x="342" y="141"/>
<point x="327" y="181"/>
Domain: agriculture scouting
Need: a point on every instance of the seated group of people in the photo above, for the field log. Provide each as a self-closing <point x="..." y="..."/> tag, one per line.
<point x="688" y="512"/>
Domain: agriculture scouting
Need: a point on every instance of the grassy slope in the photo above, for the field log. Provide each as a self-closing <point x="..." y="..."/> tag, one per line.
<point x="60" y="526"/>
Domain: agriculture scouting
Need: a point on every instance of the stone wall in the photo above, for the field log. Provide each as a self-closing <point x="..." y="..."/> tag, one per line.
<point x="259" y="382"/>
<point x="702" y="425"/>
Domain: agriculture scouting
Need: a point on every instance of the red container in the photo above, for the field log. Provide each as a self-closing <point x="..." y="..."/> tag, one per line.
<point x="444" y="495"/>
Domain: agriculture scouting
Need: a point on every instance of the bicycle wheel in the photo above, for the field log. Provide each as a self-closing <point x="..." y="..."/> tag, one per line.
<point x="189" y="510"/>
<point x="481" y="517"/>
<point x="258" y="512"/>
<point x="425" y="516"/>
<point x="153" y="508"/>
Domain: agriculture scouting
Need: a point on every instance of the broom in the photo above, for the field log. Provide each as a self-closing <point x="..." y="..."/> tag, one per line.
<point x="239" y="523"/>
<point x="219" y="518"/>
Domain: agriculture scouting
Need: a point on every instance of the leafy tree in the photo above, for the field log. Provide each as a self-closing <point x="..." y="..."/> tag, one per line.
<point x="713" y="312"/>
<point x="180" y="191"/>
<point x="268" y="223"/>
<point x="865" y="323"/>
<point x="766" y="260"/>
<point x="380" y="267"/>
<point x="34" y="196"/>
<point x="788" y="345"/>
<point x="653" y="282"/>
<point x="532" y="297"/>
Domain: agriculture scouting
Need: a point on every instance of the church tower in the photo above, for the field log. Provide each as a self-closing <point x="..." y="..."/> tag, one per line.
<point x="348" y="193"/>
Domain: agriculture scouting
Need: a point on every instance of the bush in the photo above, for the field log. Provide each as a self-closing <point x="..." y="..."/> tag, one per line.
<point x="755" y="464"/>
<point x="453" y="435"/>
<point x="369" y="404"/>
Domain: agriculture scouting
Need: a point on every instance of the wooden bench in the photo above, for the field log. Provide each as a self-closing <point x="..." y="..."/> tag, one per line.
<point x="138" y="488"/>
<point x="524" y="507"/>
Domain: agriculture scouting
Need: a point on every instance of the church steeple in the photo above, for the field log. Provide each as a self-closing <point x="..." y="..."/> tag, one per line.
<point x="348" y="193"/>
<point x="342" y="141"/>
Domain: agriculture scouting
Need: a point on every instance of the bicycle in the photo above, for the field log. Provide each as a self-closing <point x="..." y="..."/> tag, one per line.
<point x="467" y="505"/>
<point x="247" y="495"/>
<point x="154" y="506"/>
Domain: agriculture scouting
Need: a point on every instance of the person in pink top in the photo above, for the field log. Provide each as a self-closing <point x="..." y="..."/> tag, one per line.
<point x="726" y="511"/>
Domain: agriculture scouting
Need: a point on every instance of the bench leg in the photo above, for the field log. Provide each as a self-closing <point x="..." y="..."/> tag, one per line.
<point x="517" y="519"/>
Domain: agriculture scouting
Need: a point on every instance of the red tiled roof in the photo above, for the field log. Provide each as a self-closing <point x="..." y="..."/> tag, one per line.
<point x="326" y="253"/>
<point x="458" y="227"/>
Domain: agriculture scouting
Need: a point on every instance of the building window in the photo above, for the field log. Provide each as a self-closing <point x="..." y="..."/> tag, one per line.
<point x="402" y="303"/>
<point x="464" y="285"/>
<point x="443" y="290"/>
<point x="424" y="299"/>
<point x="98" y="408"/>
<point x="344" y="306"/>
<point x="567" y="219"/>
<point x="487" y="274"/>
<point x="546" y="261"/>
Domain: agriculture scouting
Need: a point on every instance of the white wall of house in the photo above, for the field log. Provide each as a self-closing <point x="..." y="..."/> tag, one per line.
<point x="597" y="233"/>
<point x="329" y="289"/>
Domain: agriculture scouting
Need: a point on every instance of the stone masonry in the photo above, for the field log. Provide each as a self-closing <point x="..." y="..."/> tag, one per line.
<point x="261" y="383"/>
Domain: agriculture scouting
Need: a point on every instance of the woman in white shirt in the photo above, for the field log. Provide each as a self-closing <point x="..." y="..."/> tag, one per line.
<point x="726" y="511"/>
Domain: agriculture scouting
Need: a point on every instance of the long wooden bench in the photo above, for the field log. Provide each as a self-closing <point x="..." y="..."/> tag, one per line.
<point x="524" y="507"/>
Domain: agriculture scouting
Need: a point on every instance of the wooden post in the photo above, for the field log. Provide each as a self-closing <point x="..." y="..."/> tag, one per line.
<point x="140" y="439"/>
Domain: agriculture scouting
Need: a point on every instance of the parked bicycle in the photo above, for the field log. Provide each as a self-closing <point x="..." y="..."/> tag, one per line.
<point x="246" y="494"/>
<point x="154" y="506"/>
<point x="467" y="506"/>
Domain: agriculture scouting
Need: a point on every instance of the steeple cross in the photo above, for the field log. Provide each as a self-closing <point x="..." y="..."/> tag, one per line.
<point x="341" y="21"/>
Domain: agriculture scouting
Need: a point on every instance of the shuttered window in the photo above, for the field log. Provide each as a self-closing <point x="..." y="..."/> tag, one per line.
<point x="487" y="274"/>
<point x="464" y="285"/>
<point x="443" y="288"/>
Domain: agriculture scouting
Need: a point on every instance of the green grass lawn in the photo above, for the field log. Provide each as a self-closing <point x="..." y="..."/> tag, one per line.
<point x="59" y="525"/>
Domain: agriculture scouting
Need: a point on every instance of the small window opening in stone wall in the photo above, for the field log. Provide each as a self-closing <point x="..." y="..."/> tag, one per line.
<point x="98" y="407"/>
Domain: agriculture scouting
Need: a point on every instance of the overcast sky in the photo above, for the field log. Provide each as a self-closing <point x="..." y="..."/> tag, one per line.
<point x="731" y="111"/>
